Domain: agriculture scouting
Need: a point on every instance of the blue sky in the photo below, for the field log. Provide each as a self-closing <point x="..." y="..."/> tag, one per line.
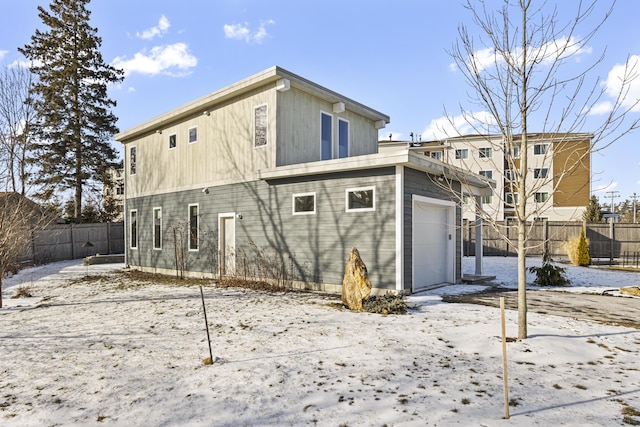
<point x="389" y="55"/>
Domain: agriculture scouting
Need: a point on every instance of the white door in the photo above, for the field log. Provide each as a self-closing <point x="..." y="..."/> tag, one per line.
<point x="227" y="244"/>
<point x="433" y="243"/>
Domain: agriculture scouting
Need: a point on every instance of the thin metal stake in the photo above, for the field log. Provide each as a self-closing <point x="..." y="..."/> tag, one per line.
<point x="504" y="361"/>
<point x="206" y="324"/>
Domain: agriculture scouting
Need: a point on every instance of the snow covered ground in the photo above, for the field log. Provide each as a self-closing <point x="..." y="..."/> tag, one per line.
<point x="110" y="351"/>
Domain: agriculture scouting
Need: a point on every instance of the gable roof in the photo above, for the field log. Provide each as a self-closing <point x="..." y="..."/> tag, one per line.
<point x="274" y="75"/>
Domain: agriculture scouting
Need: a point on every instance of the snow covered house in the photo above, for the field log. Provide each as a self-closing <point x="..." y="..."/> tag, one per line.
<point x="276" y="175"/>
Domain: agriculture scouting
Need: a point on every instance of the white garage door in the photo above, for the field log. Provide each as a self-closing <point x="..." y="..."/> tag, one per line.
<point x="433" y="242"/>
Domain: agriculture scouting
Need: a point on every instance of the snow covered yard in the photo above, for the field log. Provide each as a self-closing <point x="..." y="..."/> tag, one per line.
<point x="106" y="350"/>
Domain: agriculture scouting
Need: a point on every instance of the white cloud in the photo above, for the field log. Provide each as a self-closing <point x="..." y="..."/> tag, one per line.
<point x="158" y="30"/>
<point x="554" y="50"/>
<point x="627" y="73"/>
<point x="243" y="32"/>
<point x="3" y="53"/>
<point x="160" y="60"/>
<point x="463" y="124"/>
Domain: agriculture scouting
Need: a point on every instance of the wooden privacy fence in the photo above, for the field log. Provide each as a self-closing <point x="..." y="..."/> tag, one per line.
<point x="72" y="241"/>
<point x="606" y="240"/>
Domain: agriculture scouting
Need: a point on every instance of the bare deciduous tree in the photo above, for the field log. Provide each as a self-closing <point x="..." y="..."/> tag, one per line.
<point x="516" y="70"/>
<point x="16" y="118"/>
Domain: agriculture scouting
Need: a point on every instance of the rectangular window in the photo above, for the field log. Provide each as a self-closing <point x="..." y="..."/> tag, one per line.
<point x="516" y="152"/>
<point x="260" y="126"/>
<point x="484" y="152"/>
<point x="132" y="160"/>
<point x="540" y="148"/>
<point x="343" y="138"/>
<point x="436" y="155"/>
<point x="326" y="126"/>
<point x="465" y="199"/>
<point x="509" y="175"/>
<point x="133" y="229"/>
<point x="486" y="174"/>
<point x="361" y="199"/>
<point x="487" y="200"/>
<point x="120" y="189"/>
<point x="542" y="197"/>
<point x="157" y="228"/>
<point x="193" y="227"/>
<point x="540" y="173"/>
<point x="304" y="204"/>
<point x="172" y="141"/>
<point x="193" y="135"/>
<point x="462" y="153"/>
<point x="511" y="199"/>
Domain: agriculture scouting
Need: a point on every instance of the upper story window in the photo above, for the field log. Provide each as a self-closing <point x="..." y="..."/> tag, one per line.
<point x="542" y="197"/>
<point x="132" y="160"/>
<point x="120" y="189"/>
<point x="509" y="175"/>
<point x="540" y="173"/>
<point x="304" y="204"/>
<point x="487" y="200"/>
<point x="172" y="141"/>
<point x="193" y="227"/>
<point x="260" y="126"/>
<point x="487" y="174"/>
<point x="462" y="153"/>
<point x="193" y="134"/>
<point x="436" y="155"/>
<point x="516" y="152"/>
<point x="511" y="199"/>
<point x="540" y="148"/>
<point x="157" y="228"/>
<point x="484" y="152"/>
<point x="326" y="128"/>
<point x="343" y="138"/>
<point x="361" y="199"/>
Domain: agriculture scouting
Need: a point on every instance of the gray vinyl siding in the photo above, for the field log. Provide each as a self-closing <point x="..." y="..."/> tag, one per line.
<point x="419" y="183"/>
<point x="314" y="247"/>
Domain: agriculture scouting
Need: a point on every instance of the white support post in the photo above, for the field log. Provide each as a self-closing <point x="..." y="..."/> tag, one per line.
<point x="478" y="236"/>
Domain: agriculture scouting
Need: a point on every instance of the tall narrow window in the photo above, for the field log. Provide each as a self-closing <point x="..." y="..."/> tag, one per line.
<point x="193" y="135"/>
<point x="133" y="229"/>
<point x="172" y="141"/>
<point x="132" y="160"/>
<point x="260" y="126"/>
<point x="193" y="227"/>
<point x="157" y="228"/>
<point x="326" y="127"/>
<point x="343" y="138"/>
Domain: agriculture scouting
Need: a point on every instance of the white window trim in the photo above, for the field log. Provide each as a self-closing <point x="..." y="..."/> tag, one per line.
<point x="293" y="203"/>
<point x="266" y="137"/>
<point x="333" y="142"/>
<point x="169" y="141"/>
<point x="189" y="134"/>
<point x="153" y="223"/>
<point x="131" y="244"/>
<point x="464" y="153"/>
<point x="197" y="205"/>
<point x="484" y="150"/>
<point x="544" y="151"/>
<point x="348" y="137"/>
<point x="136" y="162"/>
<point x="350" y="190"/>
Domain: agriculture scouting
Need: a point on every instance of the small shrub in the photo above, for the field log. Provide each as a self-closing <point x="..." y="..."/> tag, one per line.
<point x="386" y="304"/>
<point x="23" y="291"/>
<point x="578" y="250"/>
<point x="549" y="274"/>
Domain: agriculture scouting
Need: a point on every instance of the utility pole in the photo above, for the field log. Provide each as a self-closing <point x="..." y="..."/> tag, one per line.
<point x="613" y="195"/>
<point x="635" y="203"/>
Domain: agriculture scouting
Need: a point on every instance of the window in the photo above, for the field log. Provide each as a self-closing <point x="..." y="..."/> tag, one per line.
<point x="193" y="227"/>
<point x="157" y="228"/>
<point x="361" y="199"/>
<point x="326" y="126"/>
<point x="516" y="152"/>
<point x="132" y="160"/>
<point x="487" y="200"/>
<point x="511" y="198"/>
<point x="133" y="229"/>
<point x="343" y="138"/>
<point x="436" y="155"/>
<point x="462" y="153"/>
<point x="120" y="189"/>
<point x="465" y="199"/>
<point x="260" y="126"/>
<point x="304" y="204"/>
<point x="509" y="175"/>
<point x="484" y="152"/>
<point x="172" y="141"/>
<point x="542" y="197"/>
<point x="193" y="135"/>
<point x="486" y="174"/>
<point x="540" y="148"/>
<point x="540" y="173"/>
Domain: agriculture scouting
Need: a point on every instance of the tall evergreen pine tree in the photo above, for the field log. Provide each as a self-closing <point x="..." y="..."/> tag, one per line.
<point x="75" y="123"/>
<point x="593" y="213"/>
